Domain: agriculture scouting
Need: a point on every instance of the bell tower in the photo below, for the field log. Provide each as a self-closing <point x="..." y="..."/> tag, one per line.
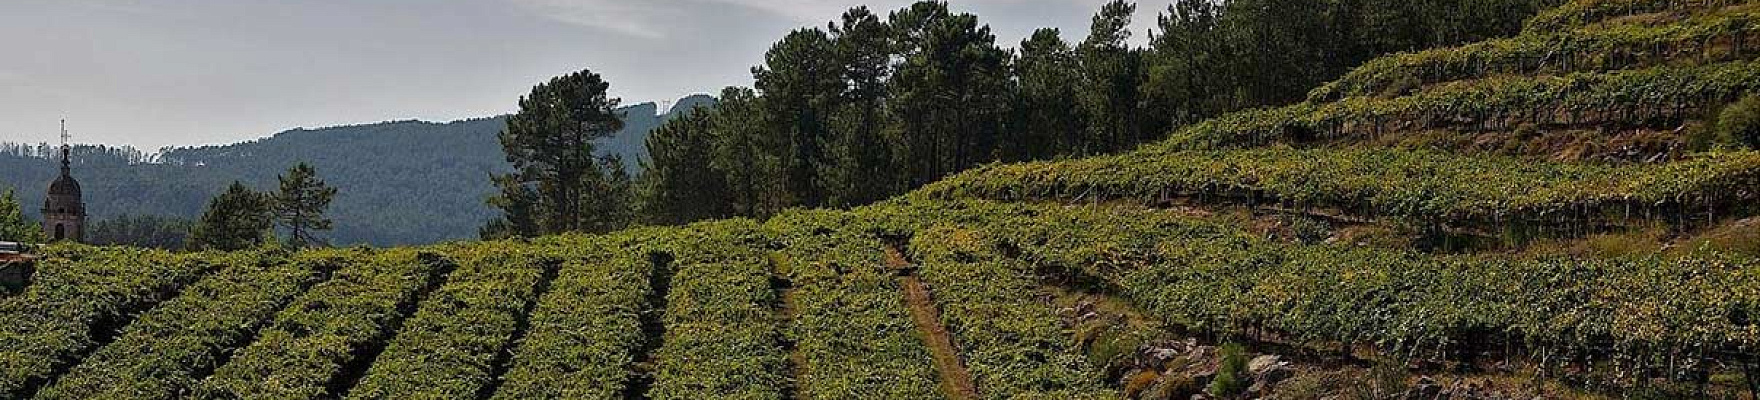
<point x="64" y="212"/>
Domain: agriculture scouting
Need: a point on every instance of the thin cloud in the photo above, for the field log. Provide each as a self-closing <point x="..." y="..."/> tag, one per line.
<point x="643" y="19"/>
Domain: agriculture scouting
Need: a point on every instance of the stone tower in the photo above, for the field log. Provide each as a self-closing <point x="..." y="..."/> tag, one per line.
<point x="64" y="213"/>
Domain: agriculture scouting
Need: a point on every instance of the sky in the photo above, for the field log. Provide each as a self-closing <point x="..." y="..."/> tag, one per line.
<point x="156" y="73"/>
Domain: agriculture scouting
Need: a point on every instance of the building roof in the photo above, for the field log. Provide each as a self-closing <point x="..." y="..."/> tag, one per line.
<point x="64" y="193"/>
<point x="64" y="186"/>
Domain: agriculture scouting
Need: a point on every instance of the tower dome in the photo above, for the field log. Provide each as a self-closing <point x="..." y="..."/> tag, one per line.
<point x="64" y="211"/>
<point x="65" y="186"/>
<point x="64" y="193"/>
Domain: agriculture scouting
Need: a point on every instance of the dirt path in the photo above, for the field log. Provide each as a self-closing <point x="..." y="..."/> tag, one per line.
<point x="955" y="380"/>
<point x="797" y="361"/>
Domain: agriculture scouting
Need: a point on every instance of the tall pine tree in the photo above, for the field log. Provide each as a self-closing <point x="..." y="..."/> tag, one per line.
<point x="237" y="219"/>
<point x="300" y="205"/>
<point x="750" y="157"/>
<point x="799" y="80"/>
<point x="859" y="168"/>
<point x="558" y="184"/>
<point x="1045" y="117"/>
<point x="950" y="92"/>
<point x="1111" y="78"/>
<point x="678" y="185"/>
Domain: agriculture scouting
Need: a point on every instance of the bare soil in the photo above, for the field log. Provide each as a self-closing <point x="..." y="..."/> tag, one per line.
<point x="955" y="380"/>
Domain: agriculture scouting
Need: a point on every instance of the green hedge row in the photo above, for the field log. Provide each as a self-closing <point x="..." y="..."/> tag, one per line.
<point x="851" y="325"/>
<point x="315" y="338"/>
<point x="723" y="328"/>
<point x="1583" y="12"/>
<point x="449" y="348"/>
<point x="1009" y="337"/>
<point x="586" y="332"/>
<point x="1657" y="96"/>
<point x="1641" y="311"/>
<point x="1416" y="185"/>
<point x="167" y="351"/>
<point x="78" y="290"/>
<point x="1710" y="37"/>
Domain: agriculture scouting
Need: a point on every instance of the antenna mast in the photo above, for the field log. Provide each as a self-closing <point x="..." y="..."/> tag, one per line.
<point x="64" y="136"/>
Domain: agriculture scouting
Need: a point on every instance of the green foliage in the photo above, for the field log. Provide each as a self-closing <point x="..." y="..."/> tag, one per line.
<point x="1417" y="185"/>
<point x="14" y="227"/>
<point x="1231" y="373"/>
<point x="851" y="325"/>
<point x="799" y="80"/>
<point x="169" y="233"/>
<point x="747" y="155"/>
<point x="1741" y="121"/>
<point x="1582" y="12"/>
<point x="859" y="168"/>
<point x="1049" y="125"/>
<point x="79" y="292"/>
<point x="449" y="347"/>
<point x="1010" y="338"/>
<point x="723" y="331"/>
<point x="946" y="57"/>
<point x="1217" y="278"/>
<point x="865" y="108"/>
<point x="236" y="220"/>
<point x="587" y="329"/>
<point x="1110" y="74"/>
<point x="1653" y="97"/>
<point x="679" y="185"/>
<point x="1210" y="58"/>
<point x="159" y="355"/>
<point x="559" y="185"/>
<point x="1690" y="41"/>
<point x="313" y="338"/>
<point x="301" y="204"/>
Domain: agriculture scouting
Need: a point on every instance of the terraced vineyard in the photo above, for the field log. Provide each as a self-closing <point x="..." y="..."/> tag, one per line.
<point x="1242" y="229"/>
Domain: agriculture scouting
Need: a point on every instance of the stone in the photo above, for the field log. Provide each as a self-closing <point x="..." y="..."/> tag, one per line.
<point x="1270" y="369"/>
<point x="1164" y="354"/>
<point x="1261" y="363"/>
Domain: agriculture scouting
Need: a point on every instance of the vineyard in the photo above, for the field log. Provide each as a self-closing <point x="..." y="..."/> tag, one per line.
<point x="1243" y="230"/>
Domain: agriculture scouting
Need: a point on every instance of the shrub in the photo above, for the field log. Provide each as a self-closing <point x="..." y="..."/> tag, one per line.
<point x="1231" y="376"/>
<point x="1740" y="121"/>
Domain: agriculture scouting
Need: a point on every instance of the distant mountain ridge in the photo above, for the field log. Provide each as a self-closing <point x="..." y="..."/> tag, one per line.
<point x="400" y="182"/>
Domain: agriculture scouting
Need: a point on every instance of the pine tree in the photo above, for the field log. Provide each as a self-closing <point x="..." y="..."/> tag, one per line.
<point x="800" y="80"/>
<point x="235" y="220"/>
<point x="558" y="184"/>
<point x="858" y="167"/>
<point x="1111" y="79"/>
<point x="1045" y="118"/>
<point x="14" y="227"/>
<point x="615" y="203"/>
<point x="518" y="203"/>
<point x="301" y="204"/>
<point x="748" y="157"/>
<point x="950" y="92"/>
<point x="677" y="184"/>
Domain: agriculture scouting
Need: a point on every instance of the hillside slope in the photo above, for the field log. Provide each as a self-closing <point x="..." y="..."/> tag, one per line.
<point x="403" y="182"/>
<point x="1323" y="238"/>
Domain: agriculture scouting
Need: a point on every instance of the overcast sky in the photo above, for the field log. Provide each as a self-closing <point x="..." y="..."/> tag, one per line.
<point x="153" y="73"/>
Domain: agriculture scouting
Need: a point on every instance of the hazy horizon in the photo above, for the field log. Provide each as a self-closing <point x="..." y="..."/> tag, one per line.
<point x="195" y="72"/>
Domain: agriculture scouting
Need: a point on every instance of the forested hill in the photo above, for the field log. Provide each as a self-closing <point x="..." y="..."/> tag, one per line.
<point x="401" y="182"/>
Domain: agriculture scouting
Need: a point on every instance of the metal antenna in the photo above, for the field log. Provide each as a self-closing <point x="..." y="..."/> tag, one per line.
<point x="64" y="136"/>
